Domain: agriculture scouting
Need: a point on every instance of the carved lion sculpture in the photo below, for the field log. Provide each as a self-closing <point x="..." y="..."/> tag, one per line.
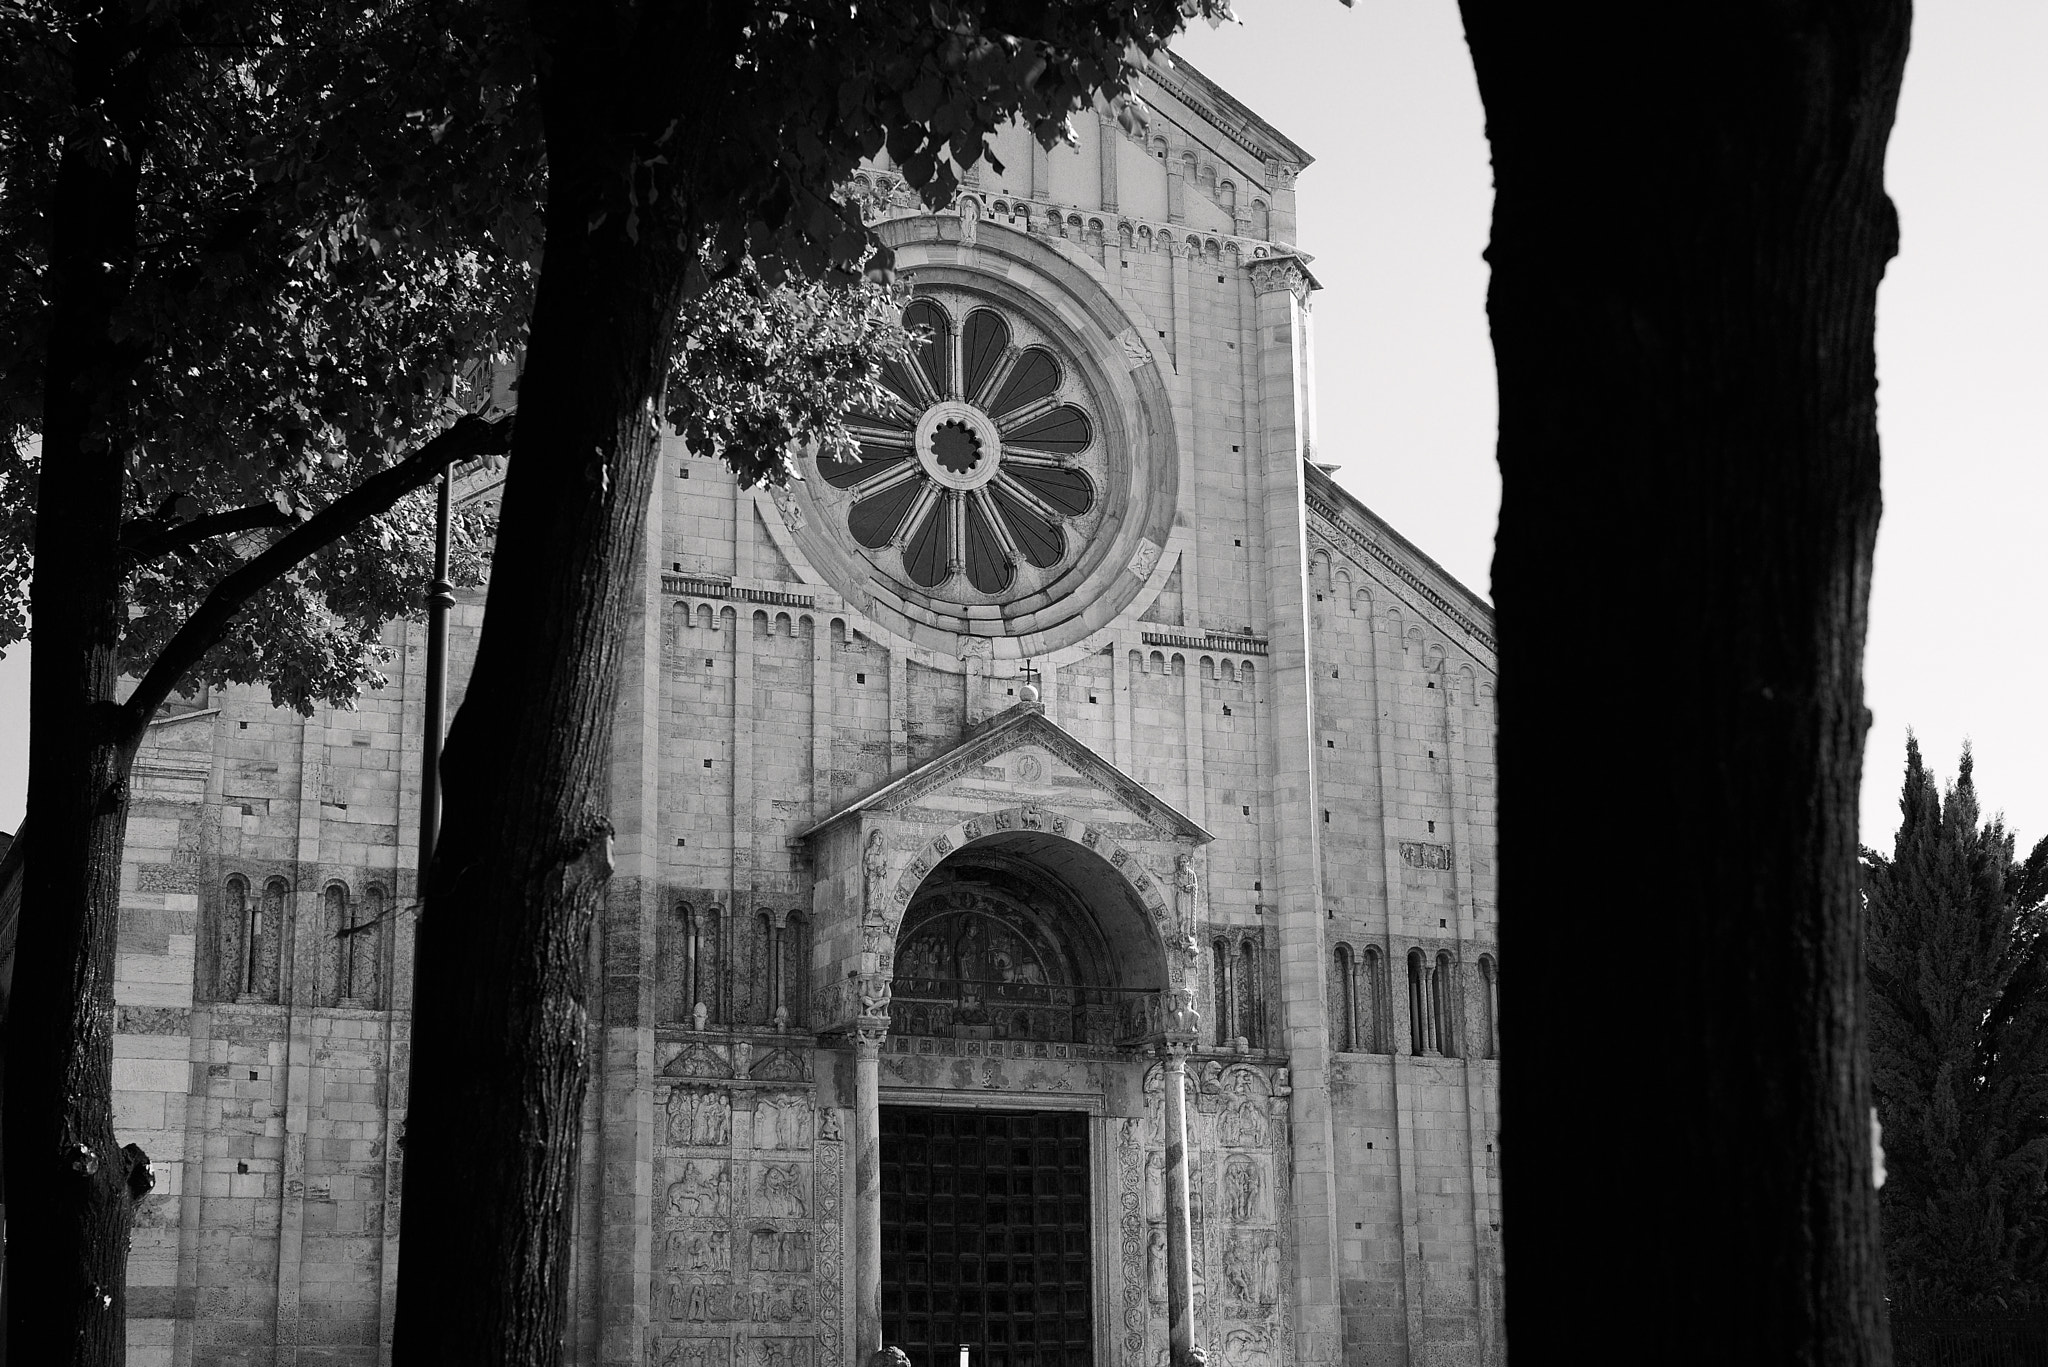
<point x="889" y="1357"/>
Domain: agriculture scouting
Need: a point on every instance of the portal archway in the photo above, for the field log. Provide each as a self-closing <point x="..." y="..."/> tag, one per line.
<point x="1128" y="903"/>
<point x="1026" y="935"/>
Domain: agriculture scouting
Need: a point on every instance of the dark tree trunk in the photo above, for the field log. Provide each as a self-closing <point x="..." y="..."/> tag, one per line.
<point x="69" y="1205"/>
<point x="501" y="1014"/>
<point x="1689" y="232"/>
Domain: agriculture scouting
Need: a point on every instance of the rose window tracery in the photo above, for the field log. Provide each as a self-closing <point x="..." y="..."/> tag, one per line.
<point x="982" y="469"/>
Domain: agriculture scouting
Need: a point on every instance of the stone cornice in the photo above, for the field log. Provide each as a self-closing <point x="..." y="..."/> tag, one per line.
<point x="1024" y="724"/>
<point x="1186" y="83"/>
<point x="1476" y="623"/>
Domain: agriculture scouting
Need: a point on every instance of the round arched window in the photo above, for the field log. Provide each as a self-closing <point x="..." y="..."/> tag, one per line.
<point x="980" y="478"/>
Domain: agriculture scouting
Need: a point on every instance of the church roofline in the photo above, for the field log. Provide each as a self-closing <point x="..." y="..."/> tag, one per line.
<point x="986" y="737"/>
<point x="1231" y="116"/>
<point x="1439" y="586"/>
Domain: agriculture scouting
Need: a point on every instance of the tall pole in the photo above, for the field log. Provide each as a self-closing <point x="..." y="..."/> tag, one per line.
<point x="440" y="598"/>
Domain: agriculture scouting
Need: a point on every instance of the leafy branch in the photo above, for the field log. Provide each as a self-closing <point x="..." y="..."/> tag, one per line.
<point x="468" y="439"/>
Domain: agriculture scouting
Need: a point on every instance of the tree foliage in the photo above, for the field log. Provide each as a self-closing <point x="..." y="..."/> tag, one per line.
<point x="266" y="360"/>
<point x="1958" y="959"/>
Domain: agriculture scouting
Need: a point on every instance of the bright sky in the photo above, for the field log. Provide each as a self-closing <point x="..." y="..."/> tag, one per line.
<point x="1395" y="212"/>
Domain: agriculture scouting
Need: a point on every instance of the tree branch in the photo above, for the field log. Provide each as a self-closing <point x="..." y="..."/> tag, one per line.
<point x="152" y="540"/>
<point x="468" y="439"/>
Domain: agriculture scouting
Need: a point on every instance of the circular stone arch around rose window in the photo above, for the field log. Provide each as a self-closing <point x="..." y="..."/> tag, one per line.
<point x="1020" y="462"/>
<point x="1025" y="936"/>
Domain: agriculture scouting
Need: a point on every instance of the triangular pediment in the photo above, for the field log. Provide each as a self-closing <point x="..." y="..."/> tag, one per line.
<point x="1018" y="756"/>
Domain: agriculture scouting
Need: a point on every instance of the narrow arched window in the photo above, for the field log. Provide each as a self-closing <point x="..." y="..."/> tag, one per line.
<point x="1489" y="1007"/>
<point x="688" y="951"/>
<point x="1250" y="1020"/>
<point x="795" y="968"/>
<point x="1372" y="999"/>
<point x="366" y="950"/>
<point x="1343" y="1001"/>
<point x="1418" y="1005"/>
<point x="1443" y="995"/>
<point x="335" y="939"/>
<point x="763" y="986"/>
<point x="266" y="941"/>
<point x="715" y="954"/>
<point x="1219" y="972"/>
<point x="231" y="977"/>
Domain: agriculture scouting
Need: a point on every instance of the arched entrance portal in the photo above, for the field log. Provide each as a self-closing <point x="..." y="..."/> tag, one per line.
<point x="1025" y="937"/>
<point x="1026" y="968"/>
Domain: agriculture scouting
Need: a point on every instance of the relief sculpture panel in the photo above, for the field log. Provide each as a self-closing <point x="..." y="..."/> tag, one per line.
<point x="1236" y="1118"/>
<point x="738" y="1257"/>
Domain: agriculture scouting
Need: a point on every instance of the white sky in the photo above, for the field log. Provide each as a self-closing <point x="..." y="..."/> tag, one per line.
<point x="1395" y="212"/>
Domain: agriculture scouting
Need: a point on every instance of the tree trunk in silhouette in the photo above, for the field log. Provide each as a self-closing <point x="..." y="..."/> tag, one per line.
<point x="501" y="1025"/>
<point x="69" y="1205"/>
<point x="1688" y="236"/>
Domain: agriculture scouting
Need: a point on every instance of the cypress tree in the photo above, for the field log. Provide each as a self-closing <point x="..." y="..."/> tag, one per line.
<point x="1958" y="983"/>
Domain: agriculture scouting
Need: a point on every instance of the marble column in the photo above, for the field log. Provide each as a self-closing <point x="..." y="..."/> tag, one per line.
<point x="868" y="1034"/>
<point x="1180" y="1273"/>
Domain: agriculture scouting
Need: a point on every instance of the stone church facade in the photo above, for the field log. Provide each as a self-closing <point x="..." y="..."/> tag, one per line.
<point x="1054" y="909"/>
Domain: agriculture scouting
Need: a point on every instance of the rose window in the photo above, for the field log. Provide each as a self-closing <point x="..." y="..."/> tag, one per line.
<point x="977" y="469"/>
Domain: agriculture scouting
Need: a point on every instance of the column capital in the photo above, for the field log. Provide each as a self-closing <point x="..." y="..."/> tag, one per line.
<point x="868" y="1034"/>
<point x="1282" y="271"/>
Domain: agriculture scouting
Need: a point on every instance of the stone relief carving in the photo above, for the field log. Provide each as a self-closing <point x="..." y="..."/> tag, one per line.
<point x="875" y="875"/>
<point x="1143" y="559"/>
<point x="698" y="1250"/>
<point x="1243" y="1190"/>
<point x="778" y="1351"/>
<point x="1130" y="1175"/>
<point x="1155" y="1186"/>
<point x="783" y="1121"/>
<point x="1243" y="1125"/>
<point x="1155" y="1266"/>
<point x="780" y="1065"/>
<point x="830" y="1177"/>
<point x="779" y="1191"/>
<point x="703" y="1189"/>
<point x="781" y="1250"/>
<point x="696" y="1060"/>
<point x="1417" y="854"/>
<point x="699" y="1117"/>
<point x="696" y="1352"/>
<point x="1251" y="1271"/>
<point x="1244" y="1347"/>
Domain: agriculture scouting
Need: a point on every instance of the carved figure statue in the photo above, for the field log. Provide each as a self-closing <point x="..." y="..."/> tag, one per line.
<point x="1155" y="1187"/>
<point x="1269" y="1273"/>
<point x="699" y="1014"/>
<point x="1241" y="1189"/>
<point x="1155" y="1265"/>
<point x="1182" y="1018"/>
<point x="1184" y="878"/>
<point x="875" y="874"/>
<point x="1241" y="1273"/>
